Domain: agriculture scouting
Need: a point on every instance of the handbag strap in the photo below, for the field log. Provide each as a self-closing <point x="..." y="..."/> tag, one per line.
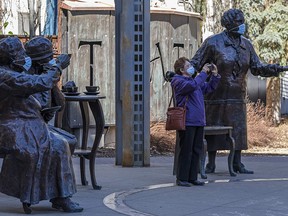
<point x="174" y="99"/>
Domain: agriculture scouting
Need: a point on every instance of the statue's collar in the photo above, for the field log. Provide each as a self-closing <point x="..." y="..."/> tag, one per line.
<point x="229" y="42"/>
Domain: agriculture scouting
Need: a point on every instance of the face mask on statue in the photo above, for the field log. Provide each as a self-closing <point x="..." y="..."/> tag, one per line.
<point x="22" y="64"/>
<point x="52" y="62"/>
<point x="240" y="29"/>
<point x="28" y="63"/>
<point x="191" y="70"/>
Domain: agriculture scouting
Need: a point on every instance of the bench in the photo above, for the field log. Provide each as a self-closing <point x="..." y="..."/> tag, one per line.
<point x="218" y="130"/>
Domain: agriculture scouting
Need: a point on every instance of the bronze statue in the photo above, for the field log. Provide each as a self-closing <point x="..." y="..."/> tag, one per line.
<point x="37" y="165"/>
<point x="40" y="50"/>
<point x="234" y="55"/>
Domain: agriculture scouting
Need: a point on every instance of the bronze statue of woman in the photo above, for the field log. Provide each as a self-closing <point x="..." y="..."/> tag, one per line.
<point x="234" y="56"/>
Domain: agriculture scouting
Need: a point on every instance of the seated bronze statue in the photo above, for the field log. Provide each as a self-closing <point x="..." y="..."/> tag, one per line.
<point x="37" y="165"/>
<point x="40" y="50"/>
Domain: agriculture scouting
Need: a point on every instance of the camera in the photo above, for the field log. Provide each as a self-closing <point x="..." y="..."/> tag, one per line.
<point x="211" y="67"/>
<point x="169" y="75"/>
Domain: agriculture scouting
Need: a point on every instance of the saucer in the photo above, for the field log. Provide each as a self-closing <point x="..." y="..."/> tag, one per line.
<point x="71" y="93"/>
<point x="91" y="93"/>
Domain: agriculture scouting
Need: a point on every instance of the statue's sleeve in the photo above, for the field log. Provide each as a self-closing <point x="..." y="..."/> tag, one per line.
<point x="202" y="55"/>
<point x="23" y="84"/>
<point x="58" y="98"/>
<point x="259" y="68"/>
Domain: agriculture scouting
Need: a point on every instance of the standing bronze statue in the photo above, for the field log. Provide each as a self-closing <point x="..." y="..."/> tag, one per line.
<point x="234" y="56"/>
<point x="37" y="164"/>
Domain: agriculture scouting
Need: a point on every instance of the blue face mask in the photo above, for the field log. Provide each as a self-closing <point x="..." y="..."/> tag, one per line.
<point x="52" y="61"/>
<point x="241" y="29"/>
<point x="28" y="63"/>
<point x="191" y="70"/>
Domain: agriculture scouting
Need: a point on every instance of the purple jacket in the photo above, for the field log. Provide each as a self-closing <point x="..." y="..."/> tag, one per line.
<point x="195" y="90"/>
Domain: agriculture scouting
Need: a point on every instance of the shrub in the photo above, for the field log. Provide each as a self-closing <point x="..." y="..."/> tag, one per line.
<point x="161" y="141"/>
<point x="260" y="133"/>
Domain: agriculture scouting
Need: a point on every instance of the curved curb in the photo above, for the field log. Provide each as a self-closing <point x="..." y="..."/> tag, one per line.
<point x="115" y="201"/>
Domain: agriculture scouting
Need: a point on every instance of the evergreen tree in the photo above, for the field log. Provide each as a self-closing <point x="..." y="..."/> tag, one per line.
<point x="267" y="28"/>
<point x="268" y="31"/>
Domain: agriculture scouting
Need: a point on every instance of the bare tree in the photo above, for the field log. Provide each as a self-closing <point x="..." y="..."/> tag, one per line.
<point x="5" y="13"/>
<point x="34" y="7"/>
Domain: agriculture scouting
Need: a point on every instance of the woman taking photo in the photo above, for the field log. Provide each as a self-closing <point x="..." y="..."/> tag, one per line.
<point x="189" y="91"/>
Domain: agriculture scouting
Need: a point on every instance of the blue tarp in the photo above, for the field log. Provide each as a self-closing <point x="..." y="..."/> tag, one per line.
<point x="50" y="26"/>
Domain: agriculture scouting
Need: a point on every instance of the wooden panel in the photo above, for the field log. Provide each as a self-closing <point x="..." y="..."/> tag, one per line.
<point x="160" y="32"/>
<point x="93" y="27"/>
<point x="165" y="29"/>
<point x="177" y="37"/>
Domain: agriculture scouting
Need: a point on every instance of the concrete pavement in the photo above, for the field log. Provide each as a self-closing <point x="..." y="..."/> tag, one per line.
<point x="151" y="191"/>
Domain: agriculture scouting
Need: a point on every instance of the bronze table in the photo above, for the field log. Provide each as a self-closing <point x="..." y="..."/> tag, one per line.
<point x="84" y="153"/>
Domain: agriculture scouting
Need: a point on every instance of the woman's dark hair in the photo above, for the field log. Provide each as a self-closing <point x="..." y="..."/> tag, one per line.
<point x="179" y="64"/>
<point x="228" y="18"/>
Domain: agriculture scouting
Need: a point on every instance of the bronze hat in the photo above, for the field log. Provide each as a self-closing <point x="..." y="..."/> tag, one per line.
<point x="39" y="48"/>
<point x="11" y="48"/>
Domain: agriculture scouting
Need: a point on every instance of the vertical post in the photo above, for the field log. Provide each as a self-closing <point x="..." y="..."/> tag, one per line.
<point x="118" y="110"/>
<point x="31" y="18"/>
<point x="132" y="82"/>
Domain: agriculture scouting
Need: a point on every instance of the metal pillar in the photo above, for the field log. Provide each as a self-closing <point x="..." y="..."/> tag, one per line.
<point x="132" y="20"/>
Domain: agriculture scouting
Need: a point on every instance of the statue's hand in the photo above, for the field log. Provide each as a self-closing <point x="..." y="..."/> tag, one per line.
<point x="47" y="116"/>
<point x="49" y="113"/>
<point x="63" y="60"/>
<point x="207" y="68"/>
<point x="285" y="68"/>
<point x="214" y="69"/>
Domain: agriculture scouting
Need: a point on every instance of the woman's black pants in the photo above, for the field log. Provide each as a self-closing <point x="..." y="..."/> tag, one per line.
<point x="191" y="146"/>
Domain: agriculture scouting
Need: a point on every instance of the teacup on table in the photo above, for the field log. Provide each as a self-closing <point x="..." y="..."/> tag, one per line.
<point x="71" y="89"/>
<point x="92" y="88"/>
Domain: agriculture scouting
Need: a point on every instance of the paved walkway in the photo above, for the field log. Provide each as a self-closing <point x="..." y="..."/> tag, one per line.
<point x="151" y="191"/>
